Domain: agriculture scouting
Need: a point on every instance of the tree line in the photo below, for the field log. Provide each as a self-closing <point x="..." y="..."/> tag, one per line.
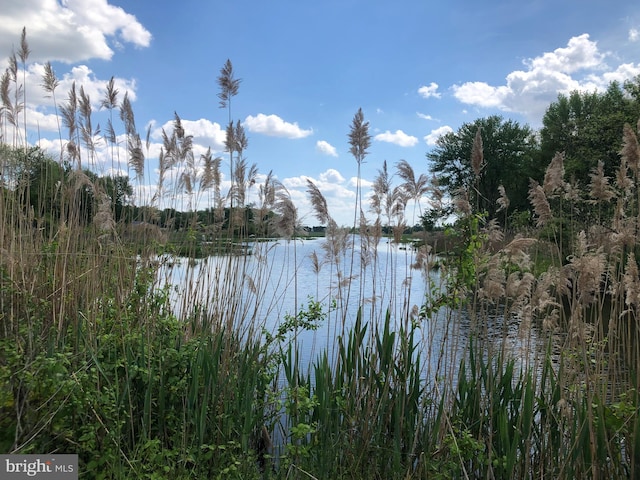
<point x="585" y="127"/>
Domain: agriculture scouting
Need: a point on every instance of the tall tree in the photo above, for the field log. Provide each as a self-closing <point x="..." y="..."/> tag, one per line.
<point x="587" y="126"/>
<point x="510" y="158"/>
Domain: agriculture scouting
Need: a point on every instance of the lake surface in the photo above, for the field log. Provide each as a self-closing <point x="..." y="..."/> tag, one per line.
<point x="257" y="291"/>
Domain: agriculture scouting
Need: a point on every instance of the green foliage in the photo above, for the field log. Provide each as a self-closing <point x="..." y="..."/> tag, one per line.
<point x="587" y="127"/>
<point x="511" y="158"/>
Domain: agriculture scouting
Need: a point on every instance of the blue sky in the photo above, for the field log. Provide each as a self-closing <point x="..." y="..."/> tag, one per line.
<point x="416" y="68"/>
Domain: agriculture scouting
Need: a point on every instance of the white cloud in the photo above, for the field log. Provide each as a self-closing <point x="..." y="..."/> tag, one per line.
<point x="433" y="137"/>
<point x="331" y="176"/>
<point x="578" y="66"/>
<point x="424" y="116"/>
<point x="634" y="35"/>
<point x="399" y="138"/>
<point x="326" y="148"/>
<point x="205" y="134"/>
<point x="430" y="90"/>
<point x="274" y="126"/>
<point x="69" y="31"/>
<point x="339" y="194"/>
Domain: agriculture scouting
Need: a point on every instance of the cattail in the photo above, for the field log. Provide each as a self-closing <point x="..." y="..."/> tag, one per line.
<point x="554" y="176"/>
<point x="599" y="189"/>
<point x="477" y="154"/>
<point x="540" y="203"/>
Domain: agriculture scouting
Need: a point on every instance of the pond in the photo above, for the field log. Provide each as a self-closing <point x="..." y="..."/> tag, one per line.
<point x="257" y="292"/>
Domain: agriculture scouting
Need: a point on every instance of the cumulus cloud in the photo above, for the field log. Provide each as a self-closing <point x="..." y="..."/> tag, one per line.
<point x="398" y="138"/>
<point x="578" y="66"/>
<point x="430" y="90"/>
<point x="339" y="194"/>
<point x="634" y="35"/>
<point x="331" y="176"/>
<point x="205" y="134"/>
<point x="274" y="126"/>
<point x="70" y="31"/>
<point x="326" y="148"/>
<point x="433" y="137"/>
<point x="424" y="116"/>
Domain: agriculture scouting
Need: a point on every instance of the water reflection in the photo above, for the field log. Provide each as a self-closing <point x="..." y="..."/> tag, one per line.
<point x="257" y="291"/>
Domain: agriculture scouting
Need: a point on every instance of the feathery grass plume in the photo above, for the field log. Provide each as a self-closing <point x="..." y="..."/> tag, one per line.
<point x="207" y="177"/>
<point x="6" y="103"/>
<point x="544" y="302"/>
<point x="413" y="188"/>
<point x="110" y="99"/>
<point x="477" y="154"/>
<point x="461" y="201"/>
<point x="516" y="252"/>
<point x="24" y="51"/>
<point x="49" y="80"/>
<point x="493" y="231"/>
<point x="241" y="142"/>
<point x="286" y="222"/>
<point x="553" y="183"/>
<point x="492" y="283"/>
<point x="630" y="150"/>
<point x="587" y="268"/>
<point x="69" y="112"/>
<point x="631" y="282"/>
<point x="380" y="189"/>
<point x="540" y="203"/>
<point x="229" y="85"/>
<point x="319" y="203"/>
<point x="623" y="182"/>
<point x="359" y="137"/>
<point x="519" y="286"/>
<point x="503" y="200"/>
<point x="599" y="188"/>
<point x="86" y="128"/>
<point x="136" y="155"/>
<point x="624" y="229"/>
<point x="103" y="219"/>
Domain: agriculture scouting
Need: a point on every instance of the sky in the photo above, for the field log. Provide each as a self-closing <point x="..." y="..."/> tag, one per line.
<point x="417" y="69"/>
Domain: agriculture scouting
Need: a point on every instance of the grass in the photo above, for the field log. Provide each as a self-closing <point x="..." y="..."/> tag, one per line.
<point x="97" y="357"/>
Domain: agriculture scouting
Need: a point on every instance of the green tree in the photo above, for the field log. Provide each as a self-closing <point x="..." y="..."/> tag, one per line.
<point x="510" y="157"/>
<point x="587" y="127"/>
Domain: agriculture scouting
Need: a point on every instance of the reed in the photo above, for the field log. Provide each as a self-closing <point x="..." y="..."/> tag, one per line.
<point x="151" y="364"/>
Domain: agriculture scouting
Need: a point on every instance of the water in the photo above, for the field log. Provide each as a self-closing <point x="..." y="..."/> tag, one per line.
<point x="257" y="292"/>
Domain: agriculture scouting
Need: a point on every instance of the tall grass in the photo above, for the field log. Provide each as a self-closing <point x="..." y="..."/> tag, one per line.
<point x="504" y="370"/>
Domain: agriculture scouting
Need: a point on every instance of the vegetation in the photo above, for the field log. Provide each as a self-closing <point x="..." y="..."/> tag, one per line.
<point x="100" y="356"/>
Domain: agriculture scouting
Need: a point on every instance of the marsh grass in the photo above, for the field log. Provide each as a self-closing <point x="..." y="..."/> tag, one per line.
<point x="503" y="370"/>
